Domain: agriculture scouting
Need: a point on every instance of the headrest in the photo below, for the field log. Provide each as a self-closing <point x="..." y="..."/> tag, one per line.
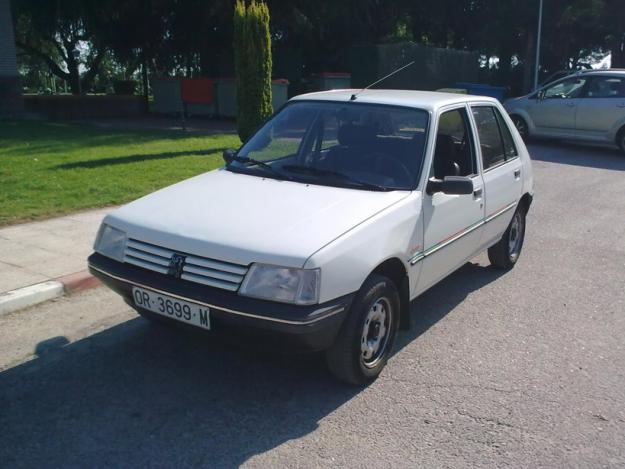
<point x="445" y="144"/>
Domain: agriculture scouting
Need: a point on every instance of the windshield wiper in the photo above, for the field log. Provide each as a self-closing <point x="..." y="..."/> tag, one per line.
<point x="328" y="172"/>
<point x="262" y="164"/>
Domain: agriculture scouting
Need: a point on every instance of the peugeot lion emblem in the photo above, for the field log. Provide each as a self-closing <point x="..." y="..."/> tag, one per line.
<point x="176" y="264"/>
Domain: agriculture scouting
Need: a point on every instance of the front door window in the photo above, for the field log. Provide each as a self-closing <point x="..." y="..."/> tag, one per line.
<point x="566" y="89"/>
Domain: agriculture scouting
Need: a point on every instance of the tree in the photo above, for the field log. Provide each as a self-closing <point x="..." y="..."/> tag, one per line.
<point x="60" y="33"/>
<point x="252" y="50"/>
<point x="614" y="18"/>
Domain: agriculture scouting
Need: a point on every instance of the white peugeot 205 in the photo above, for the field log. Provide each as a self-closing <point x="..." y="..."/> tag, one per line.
<point x="323" y="226"/>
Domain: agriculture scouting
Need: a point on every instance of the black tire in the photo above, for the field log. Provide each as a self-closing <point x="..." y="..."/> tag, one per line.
<point x="506" y="252"/>
<point x="373" y="319"/>
<point x="620" y="139"/>
<point x="521" y="126"/>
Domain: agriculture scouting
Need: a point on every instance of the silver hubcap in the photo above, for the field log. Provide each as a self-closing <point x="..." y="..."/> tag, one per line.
<point x="375" y="332"/>
<point x="516" y="236"/>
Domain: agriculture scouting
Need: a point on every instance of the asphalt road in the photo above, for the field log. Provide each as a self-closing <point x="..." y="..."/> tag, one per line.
<point x="522" y="369"/>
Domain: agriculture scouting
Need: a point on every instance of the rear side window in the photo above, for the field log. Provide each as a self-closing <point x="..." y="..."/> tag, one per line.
<point x="606" y="87"/>
<point x="496" y="140"/>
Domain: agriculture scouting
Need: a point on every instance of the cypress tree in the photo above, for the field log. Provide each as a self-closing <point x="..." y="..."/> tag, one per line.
<point x="252" y="59"/>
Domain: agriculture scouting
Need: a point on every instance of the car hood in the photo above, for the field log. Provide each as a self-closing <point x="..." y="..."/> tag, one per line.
<point x="243" y="219"/>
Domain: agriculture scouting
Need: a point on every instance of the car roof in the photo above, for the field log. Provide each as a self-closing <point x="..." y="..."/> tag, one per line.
<point x="428" y="100"/>
<point x="600" y="71"/>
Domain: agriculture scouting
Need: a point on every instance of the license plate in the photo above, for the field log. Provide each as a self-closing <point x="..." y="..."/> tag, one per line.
<point x="190" y="313"/>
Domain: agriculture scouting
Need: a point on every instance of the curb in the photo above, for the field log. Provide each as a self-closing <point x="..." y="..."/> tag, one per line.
<point x="78" y="282"/>
<point x="34" y="294"/>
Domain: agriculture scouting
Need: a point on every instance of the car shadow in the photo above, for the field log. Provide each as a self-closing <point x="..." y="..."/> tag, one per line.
<point x="140" y="394"/>
<point x="434" y="304"/>
<point x="576" y="154"/>
<point x="96" y="163"/>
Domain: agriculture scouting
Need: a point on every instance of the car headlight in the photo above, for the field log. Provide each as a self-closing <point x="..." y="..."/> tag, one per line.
<point x="110" y="242"/>
<point x="284" y="284"/>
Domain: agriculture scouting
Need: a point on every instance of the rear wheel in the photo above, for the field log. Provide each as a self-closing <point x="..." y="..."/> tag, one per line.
<point x="521" y="126"/>
<point x="366" y="338"/>
<point x="506" y="252"/>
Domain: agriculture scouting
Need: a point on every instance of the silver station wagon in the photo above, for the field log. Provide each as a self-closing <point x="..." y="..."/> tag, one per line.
<point x="587" y="106"/>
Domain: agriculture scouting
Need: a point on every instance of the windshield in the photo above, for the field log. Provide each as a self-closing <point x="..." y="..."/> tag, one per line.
<point x="364" y="146"/>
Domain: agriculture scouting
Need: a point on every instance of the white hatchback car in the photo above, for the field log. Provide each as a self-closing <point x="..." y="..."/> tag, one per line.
<point x="324" y="226"/>
<point x="586" y="106"/>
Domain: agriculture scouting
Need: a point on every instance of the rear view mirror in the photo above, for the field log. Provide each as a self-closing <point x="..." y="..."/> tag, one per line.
<point x="457" y="185"/>
<point x="229" y="155"/>
<point x="452" y="185"/>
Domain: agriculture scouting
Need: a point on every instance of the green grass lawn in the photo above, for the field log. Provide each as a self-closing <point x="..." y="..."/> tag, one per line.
<point x="51" y="168"/>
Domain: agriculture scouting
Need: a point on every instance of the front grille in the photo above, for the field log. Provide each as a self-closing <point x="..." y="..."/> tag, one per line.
<point x="196" y="269"/>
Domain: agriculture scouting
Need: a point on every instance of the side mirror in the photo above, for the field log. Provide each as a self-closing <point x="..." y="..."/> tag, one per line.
<point x="541" y="95"/>
<point x="229" y="156"/>
<point x="452" y="185"/>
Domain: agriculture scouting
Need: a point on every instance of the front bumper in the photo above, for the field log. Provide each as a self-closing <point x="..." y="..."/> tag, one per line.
<point x="308" y="328"/>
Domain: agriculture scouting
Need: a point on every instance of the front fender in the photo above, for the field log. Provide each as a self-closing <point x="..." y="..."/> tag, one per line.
<point x="616" y="127"/>
<point x="347" y="261"/>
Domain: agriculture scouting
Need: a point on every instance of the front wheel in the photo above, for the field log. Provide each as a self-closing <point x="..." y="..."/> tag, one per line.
<point x="366" y="338"/>
<point x="620" y="139"/>
<point x="506" y="252"/>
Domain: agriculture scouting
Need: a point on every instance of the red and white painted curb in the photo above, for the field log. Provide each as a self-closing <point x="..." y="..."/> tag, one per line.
<point x="34" y="294"/>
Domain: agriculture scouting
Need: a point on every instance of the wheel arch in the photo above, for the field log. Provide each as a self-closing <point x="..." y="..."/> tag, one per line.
<point x="525" y="202"/>
<point x="395" y="270"/>
<point x="619" y="135"/>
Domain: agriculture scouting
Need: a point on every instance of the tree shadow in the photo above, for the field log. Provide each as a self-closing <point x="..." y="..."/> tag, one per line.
<point x="59" y="138"/>
<point x="576" y="154"/>
<point x="140" y="394"/>
<point x="96" y="163"/>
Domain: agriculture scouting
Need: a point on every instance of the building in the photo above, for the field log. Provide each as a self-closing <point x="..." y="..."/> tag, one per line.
<point x="10" y="92"/>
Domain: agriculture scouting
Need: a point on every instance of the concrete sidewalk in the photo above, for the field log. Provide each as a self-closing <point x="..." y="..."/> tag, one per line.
<point x="36" y="252"/>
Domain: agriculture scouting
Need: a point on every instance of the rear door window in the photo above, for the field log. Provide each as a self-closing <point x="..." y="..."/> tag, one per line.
<point x="491" y="143"/>
<point x="508" y="142"/>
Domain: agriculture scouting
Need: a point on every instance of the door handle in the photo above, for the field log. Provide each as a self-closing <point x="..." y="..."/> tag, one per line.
<point x="621" y="105"/>
<point x="477" y="193"/>
<point x="570" y="104"/>
<point x="517" y="173"/>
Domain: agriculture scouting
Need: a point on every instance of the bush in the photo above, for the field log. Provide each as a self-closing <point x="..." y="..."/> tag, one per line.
<point x="252" y="55"/>
<point x="124" y="86"/>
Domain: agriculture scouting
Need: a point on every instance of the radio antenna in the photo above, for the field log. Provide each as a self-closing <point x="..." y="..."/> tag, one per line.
<point x="353" y="98"/>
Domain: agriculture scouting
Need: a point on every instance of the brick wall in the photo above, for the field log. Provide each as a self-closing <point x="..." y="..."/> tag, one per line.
<point x="10" y="92"/>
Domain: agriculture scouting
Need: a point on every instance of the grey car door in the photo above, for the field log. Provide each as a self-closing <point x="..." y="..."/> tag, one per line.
<point x="601" y="107"/>
<point x="554" y="113"/>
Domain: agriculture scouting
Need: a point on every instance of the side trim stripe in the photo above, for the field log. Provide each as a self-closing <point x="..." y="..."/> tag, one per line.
<point x="501" y="211"/>
<point x="323" y="313"/>
<point x="440" y="245"/>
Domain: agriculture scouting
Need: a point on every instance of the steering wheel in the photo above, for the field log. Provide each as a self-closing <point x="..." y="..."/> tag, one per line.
<point x="381" y="165"/>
